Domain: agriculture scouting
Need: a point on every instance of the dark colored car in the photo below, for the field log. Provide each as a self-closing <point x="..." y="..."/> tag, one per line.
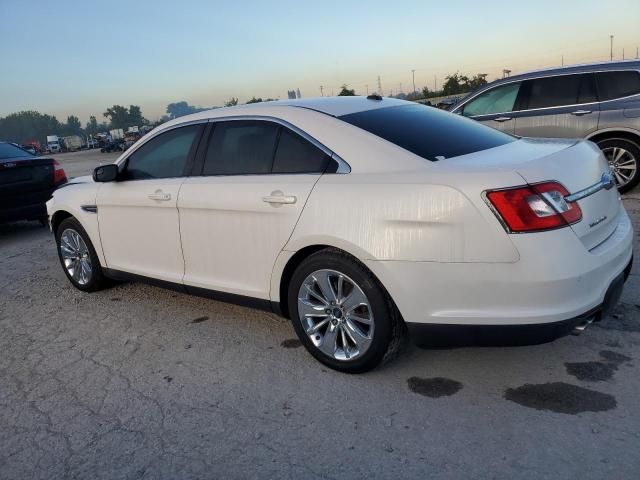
<point x="116" y="146"/>
<point x="26" y="183"/>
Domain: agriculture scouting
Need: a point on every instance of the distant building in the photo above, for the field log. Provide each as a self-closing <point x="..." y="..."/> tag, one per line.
<point x="298" y="93"/>
<point x="291" y="94"/>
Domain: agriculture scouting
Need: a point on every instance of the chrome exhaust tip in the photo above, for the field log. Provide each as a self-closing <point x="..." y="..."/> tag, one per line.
<point x="582" y="326"/>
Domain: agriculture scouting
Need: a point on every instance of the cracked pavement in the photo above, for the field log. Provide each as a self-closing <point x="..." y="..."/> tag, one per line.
<point x="140" y="382"/>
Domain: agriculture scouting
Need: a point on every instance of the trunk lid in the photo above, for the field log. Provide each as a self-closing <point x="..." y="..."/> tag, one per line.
<point x="578" y="167"/>
<point x="25" y="175"/>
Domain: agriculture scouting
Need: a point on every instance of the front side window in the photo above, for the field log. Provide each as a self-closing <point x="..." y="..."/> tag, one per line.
<point x="296" y="155"/>
<point x="241" y="148"/>
<point x="428" y="132"/>
<point x="164" y="156"/>
<point x="497" y="100"/>
<point x="560" y="90"/>
<point x="612" y="85"/>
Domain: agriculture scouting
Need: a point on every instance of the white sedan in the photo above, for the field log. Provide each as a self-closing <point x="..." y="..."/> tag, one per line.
<point x="356" y="218"/>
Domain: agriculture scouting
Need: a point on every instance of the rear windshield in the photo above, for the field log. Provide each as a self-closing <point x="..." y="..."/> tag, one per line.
<point x="427" y="131"/>
<point x="11" y="151"/>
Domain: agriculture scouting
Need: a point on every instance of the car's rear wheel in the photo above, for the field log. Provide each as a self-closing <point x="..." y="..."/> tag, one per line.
<point x="341" y="313"/>
<point x="78" y="257"/>
<point x="623" y="156"/>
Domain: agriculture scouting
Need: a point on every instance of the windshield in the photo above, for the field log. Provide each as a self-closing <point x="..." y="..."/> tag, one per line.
<point x="11" y="151"/>
<point x="428" y="132"/>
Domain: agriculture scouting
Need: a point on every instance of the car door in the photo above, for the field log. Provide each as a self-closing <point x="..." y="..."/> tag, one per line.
<point x="237" y="216"/>
<point x="560" y="106"/>
<point x="494" y="107"/>
<point x="138" y="215"/>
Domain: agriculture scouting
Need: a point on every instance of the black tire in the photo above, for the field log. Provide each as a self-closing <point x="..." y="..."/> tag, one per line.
<point x="633" y="149"/>
<point x="388" y="325"/>
<point x="96" y="279"/>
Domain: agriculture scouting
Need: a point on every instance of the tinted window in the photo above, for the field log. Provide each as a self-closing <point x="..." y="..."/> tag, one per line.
<point x="296" y="155"/>
<point x="618" y="84"/>
<point x="560" y="90"/>
<point x="241" y="148"/>
<point x="165" y="156"/>
<point x="497" y="100"/>
<point x="11" y="151"/>
<point x="428" y="132"/>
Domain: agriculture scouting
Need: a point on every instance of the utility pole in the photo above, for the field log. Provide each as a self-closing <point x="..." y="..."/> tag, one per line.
<point x="435" y="84"/>
<point x="379" y="86"/>
<point x="563" y="60"/>
<point x="636" y="52"/>
<point x="413" y="76"/>
<point x="623" y="53"/>
<point x="611" y="55"/>
<point x="321" y="91"/>
<point x="367" y="86"/>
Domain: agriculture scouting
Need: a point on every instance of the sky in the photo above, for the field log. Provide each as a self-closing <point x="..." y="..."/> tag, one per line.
<point x="79" y="57"/>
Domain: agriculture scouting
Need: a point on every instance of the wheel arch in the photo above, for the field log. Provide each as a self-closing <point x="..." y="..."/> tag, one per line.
<point x="612" y="133"/>
<point x="57" y="218"/>
<point x="289" y="263"/>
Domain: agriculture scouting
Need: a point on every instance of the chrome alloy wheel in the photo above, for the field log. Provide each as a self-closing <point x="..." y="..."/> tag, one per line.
<point x="622" y="162"/>
<point x="75" y="256"/>
<point x="335" y="314"/>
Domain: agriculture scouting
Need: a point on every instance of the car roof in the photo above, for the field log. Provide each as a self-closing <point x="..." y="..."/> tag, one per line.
<point x="579" y="68"/>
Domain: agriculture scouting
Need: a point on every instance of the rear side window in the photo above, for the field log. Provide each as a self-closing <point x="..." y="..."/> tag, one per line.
<point x="11" y="151"/>
<point x="428" y="132"/>
<point x="560" y="90"/>
<point x="297" y="155"/>
<point x="241" y="148"/>
<point x="164" y="156"/>
<point x="613" y="85"/>
<point x="497" y="100"/>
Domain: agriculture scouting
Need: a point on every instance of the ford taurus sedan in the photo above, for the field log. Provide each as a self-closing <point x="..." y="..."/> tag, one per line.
<point x="356" y="218"/>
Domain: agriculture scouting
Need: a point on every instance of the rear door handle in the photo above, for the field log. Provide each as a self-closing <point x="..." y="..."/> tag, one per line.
<point x="278" y="198"/>
<point x="160" y="195"/>
<point x="579" y="113"/>
<point x="502" y="119"/>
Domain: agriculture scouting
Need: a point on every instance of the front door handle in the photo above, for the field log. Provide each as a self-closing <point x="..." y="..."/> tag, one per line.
<point x="502" y="119"/>
<point x="160" y="195"/>
<point x="579" y="113"/>
<point x="277" y="198"/>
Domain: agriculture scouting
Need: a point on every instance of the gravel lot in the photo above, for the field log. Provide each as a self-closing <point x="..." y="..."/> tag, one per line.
<point x="140" y="382"/>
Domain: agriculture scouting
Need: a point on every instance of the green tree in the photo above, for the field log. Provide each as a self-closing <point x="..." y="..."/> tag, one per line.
<point x="24" y="126"/>
<point x="254" y="100"/>
<point x="73" y="126"/>
<point x="92" y="126"/>
<point x="232" y="102"/>
<point x="118" y="116"/>
<point x="346" y="92"/>
<point x="135" y="116"/>
<point x="477" y="81"/>
<point x="455" y="84"/>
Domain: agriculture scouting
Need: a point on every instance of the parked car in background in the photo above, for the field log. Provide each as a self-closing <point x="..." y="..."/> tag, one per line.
<point x="599" y="102"/>
<point x="26" y="183"/>
<point x="356" y="217"/>
<point x="29" y="148"/>
<point x="92" y="143"/>
<point x="113" y="146"/>
<point x="73" y="143"/>
<point x="54" y="144"/>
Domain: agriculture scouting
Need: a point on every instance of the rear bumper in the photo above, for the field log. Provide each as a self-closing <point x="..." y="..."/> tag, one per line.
<point x="25" y="211"/>
<point x="555" y="279"/>
<point x="438" y="335"/>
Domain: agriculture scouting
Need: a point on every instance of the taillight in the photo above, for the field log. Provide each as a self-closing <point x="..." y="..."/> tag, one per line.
<point x="59" y="176"/>
<point x="534" y="208"/>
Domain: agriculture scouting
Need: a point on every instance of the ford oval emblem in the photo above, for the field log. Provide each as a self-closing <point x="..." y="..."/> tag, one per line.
<point x="607" y="180"/>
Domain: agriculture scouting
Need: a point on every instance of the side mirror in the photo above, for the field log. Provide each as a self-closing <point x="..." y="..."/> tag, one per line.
<point x="106" y="173"/>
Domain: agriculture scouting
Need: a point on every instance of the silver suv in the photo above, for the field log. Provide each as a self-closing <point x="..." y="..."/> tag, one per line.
<point x="599" y="102"/>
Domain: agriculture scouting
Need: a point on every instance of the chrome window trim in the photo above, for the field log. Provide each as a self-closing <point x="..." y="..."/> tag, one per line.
<point x="343" y="166"/>
<point x="461" y="106"/>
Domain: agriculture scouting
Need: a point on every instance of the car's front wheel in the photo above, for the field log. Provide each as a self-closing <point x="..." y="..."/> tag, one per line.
<point x="623" y="156"/>
<point x="78" y="257"/>
<point x="341" y="313"/>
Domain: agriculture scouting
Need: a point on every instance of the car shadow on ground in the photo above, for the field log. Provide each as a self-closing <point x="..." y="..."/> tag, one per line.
<point x="18" y="231"/>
